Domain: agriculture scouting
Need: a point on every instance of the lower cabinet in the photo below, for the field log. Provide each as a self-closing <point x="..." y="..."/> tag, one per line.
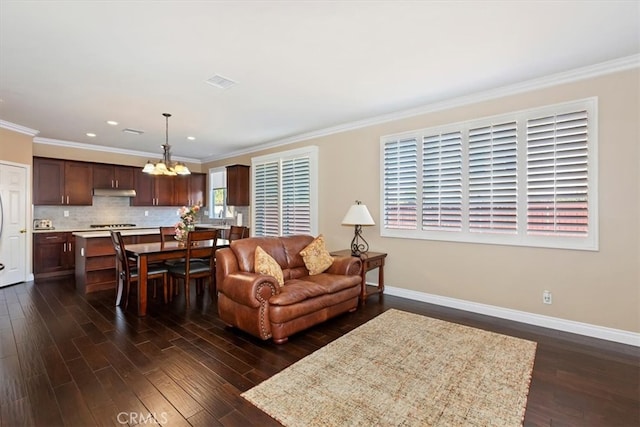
<point x="53" y="254"/>
<point x="96" y="261"/>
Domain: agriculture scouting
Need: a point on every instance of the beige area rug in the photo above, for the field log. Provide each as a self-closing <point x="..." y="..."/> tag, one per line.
<point x="403" y="369"/>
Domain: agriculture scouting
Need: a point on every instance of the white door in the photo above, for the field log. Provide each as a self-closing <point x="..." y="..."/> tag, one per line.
<point x="13" y="224"/>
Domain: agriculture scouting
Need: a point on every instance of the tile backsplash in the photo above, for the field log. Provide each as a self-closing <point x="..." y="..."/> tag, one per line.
<point x="116" y="210"/>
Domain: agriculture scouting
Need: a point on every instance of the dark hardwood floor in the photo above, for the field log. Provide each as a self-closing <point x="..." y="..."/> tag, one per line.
<point x="76" y="361"/>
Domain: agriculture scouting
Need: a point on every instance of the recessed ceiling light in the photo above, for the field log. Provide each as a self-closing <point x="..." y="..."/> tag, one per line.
<point x="90" y="134"/>
<point x="133" y="131"/>
<point x="191" y="138"/>
<point x="112" y="123"/>
<point x="220" y="82"/>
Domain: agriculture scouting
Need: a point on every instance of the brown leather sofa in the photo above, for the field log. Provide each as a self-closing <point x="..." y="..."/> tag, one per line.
<point x="257" y="304"/>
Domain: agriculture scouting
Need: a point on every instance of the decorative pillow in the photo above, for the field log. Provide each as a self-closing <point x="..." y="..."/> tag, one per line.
<point x="316" y="256"/>
<point x="265" y="264"/>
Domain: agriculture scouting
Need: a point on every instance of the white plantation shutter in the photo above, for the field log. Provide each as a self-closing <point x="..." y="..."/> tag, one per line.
<point x="527" y="178"/>
<point x="285" y="193"/>
<point x="400" y="184"/>
<point x="296" y="196"/>
<point x="557" y="174"/>
<point x="442" y="181"/>
<point x="266" y="199"/>
<point x="493" y="198"/>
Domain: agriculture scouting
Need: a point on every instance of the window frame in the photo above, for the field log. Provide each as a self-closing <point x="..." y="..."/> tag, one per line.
<point x="520" y="237"/>
<point x="225" y="207"/>
<point x="310" y="152"/>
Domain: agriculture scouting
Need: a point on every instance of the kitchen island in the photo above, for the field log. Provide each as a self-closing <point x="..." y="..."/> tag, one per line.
<point x="95" y="258"/>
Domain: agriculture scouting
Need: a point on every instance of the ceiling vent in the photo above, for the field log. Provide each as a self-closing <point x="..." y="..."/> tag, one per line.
<point x="220" y="82"/>
<point x="133" y="131"/>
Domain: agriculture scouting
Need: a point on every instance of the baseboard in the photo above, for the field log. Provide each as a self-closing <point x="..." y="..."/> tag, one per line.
<point x="601" y="332"/>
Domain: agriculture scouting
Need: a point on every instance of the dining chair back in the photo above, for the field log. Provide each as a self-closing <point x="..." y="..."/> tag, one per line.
<point x="237" y="232"/>
<point x="167" y="234"/>
<point x="127" y="274"/>
<point x="200" y="262"/>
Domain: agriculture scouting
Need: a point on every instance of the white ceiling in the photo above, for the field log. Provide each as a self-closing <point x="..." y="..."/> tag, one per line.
<point x="66" y="67"/>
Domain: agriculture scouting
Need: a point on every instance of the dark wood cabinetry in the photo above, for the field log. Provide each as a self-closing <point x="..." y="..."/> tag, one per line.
<point x="62" y="182"/>
<point x="169" y="190"/>
<point x="96" y="261"/>
<point x="112" y="176"/>
<point x="190" y="190"/>
<point x="238" y="185"/>
<point x="153" y="190"/>
<point x="53" y="254"/>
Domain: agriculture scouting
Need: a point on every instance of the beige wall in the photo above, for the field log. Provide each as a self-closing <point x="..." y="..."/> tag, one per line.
<point x="600" y="288"/>
<point x="16" y="147"/>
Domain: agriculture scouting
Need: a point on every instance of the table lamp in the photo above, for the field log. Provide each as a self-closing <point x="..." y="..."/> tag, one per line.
<point x="358" y="215"/>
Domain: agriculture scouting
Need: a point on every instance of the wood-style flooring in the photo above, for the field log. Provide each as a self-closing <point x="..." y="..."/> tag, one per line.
<point x="67" y="360"/>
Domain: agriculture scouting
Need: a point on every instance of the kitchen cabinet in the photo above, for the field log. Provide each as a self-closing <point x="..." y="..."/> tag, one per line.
<point x="112" y="176"/>
<point x="238" y="185"/>
<point x="95" y="265"/>
<point x="152" y="190"/>
<point x="53" y="254"/>
<point x="62" y="182"/>
<point x="190" y="190"/>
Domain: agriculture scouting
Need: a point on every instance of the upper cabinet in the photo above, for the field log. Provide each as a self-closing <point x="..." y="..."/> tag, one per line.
<point x="190" y="190"/>
<point x="152" y="190"/>
<point x="112" y="176"/>
<point x="238" y="185"/>
<point x="62" y="182"/>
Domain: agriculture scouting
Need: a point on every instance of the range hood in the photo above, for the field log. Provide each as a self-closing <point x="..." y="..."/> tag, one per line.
<point x="114" y="192"/>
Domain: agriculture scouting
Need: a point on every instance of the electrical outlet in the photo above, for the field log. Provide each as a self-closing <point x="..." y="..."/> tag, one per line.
<point x="146" y="213"/>
<point x="66" y="213"/>
<point x="546" y="297"/>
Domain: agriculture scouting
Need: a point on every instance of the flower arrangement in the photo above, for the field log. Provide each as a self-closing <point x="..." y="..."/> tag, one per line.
<point x="187" y="221"/>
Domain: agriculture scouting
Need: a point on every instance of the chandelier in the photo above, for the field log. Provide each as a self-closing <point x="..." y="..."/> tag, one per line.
<point x="166" y="166"/>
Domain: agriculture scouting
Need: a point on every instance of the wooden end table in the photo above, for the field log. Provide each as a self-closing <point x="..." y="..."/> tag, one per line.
<point x="370" y="260"/>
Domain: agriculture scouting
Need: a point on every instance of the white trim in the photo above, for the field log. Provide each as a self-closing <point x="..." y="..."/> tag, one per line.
<point x="105" y="149"/>
<point x="595" y="331"/>
<point x="604" y="68"/>
<point x="17" y="128"/>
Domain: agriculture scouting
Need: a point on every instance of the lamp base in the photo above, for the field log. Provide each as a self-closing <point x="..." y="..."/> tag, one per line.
<point x="359" y="246"/>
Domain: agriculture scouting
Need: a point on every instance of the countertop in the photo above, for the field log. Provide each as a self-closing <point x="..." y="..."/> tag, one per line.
<point x="88" y="232"/>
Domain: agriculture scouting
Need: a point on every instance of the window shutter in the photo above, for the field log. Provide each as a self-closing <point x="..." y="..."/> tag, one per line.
<point x="493" y="198"/>
<point x="442" y="182"/>
<point x="296" y="196"/>
<point x="400" y="184"/>
<point x="267" y="212"/>
<point x="557" y="179"/>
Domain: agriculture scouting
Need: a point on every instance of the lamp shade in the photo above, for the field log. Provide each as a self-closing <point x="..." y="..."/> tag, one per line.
<point x="358" y="214"/>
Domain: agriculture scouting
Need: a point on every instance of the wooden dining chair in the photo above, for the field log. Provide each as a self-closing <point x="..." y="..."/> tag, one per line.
<point x="200" y="263"/>
<point x="167" y="234"/>
<point x="128" y="274"/>
<point x="237" y="232"/>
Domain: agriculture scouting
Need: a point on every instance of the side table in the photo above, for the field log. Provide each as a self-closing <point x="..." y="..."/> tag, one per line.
<point x="370" y="261"/>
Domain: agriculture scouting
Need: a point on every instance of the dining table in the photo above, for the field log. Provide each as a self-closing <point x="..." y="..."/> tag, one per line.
<point x="147" y="253"/>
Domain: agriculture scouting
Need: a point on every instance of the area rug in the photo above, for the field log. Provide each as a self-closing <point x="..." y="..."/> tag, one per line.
<point x="403" y="369"/>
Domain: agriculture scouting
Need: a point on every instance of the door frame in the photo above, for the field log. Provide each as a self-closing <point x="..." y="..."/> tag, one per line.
<point x="28" y="209"/>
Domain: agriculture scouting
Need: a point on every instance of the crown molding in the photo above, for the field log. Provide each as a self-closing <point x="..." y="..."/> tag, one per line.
<point x="17" y="128"/>
<point x="105" y="149"/>
<point x="608" y="67"/>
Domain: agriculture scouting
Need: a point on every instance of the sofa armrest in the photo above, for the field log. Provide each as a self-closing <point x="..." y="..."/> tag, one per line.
<point x="345" y="265"/>
<point x="249" y="289"/>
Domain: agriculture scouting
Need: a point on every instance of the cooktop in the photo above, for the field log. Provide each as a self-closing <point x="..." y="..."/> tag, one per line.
<point x="111" y="225"/>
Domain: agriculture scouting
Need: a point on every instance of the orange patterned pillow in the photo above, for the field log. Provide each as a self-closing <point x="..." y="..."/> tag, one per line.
<point x="265" y="264"/>
<point x="316" y="256"/>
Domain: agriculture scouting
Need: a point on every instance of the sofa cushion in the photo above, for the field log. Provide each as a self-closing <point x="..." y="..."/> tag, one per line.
<point x="265" y="264"/>
<point x="297" y="290"/>
<point x="316" y="257"/>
